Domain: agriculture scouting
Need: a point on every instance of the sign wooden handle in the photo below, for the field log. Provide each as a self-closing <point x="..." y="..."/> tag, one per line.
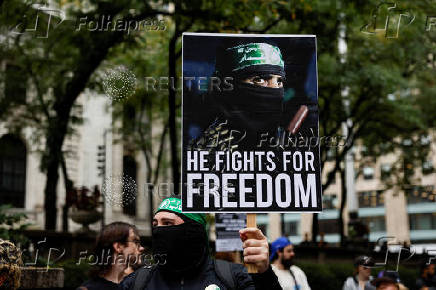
<point x="251" y="223"/>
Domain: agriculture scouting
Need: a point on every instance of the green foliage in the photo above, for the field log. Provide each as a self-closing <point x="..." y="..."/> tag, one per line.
<point x="321" y="276"/>
<point x="11" y="224"/>
<point x="408" y="276"/>
<point x="75" y="274"/>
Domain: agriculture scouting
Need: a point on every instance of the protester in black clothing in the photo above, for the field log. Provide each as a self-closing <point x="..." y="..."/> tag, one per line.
<point x="98" y="283"/>
<point x="181" y="238"/>
<point x="117" y="247"/>
<point x="427" y="279"/>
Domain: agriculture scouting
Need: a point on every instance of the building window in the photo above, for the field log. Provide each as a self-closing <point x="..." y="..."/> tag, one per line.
<point x="364" y="151"/>
<point x="290" y="228"/>
<point x="329" y="226"/>
<point x="409" y="170"/>
<point x="425" y="140"/>
<point x="427" y="167"/>
<point x="129" y="169"/>
<point x="263" y="228"/>
<point x="422" y="221"/>
<point x="329" y="201"/>
<point x="374" y="198"/>
<point x="407" y="142"/>
<point x="262" y="225"/>
<point x="331" y="153"/>
<point x="368" y="172"/>
<point x="419" y="194"/>
<point x="12" y="171"/>
<point x="385" y="171"/>
<point x="375" y="223"/>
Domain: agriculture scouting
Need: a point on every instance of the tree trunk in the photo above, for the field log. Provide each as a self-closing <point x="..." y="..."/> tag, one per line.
<point x="315" y="227"/>
<point x="68" y="188"/>
<point x="156" y="171"/>
<point x="172" y="122"/>
<point x="55" y="139"/>
<point x="50" y="194"/>
<point x="343" y="203"/>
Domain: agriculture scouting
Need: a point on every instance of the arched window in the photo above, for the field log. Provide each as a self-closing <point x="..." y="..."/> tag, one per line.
<point x="12" y="171"/>
<point x="129" y="169"/>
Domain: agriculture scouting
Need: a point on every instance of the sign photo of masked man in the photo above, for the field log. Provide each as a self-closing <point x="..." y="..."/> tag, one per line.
<point x="250" y="123"/>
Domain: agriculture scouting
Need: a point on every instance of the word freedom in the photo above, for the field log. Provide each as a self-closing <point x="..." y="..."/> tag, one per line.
<point x="251" y="179"/>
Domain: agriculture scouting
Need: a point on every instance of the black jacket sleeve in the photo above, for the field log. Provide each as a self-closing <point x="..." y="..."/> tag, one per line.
<point x="267" y="280"/>
<point x="242" y="278"/>
<point x="128" y="282"/>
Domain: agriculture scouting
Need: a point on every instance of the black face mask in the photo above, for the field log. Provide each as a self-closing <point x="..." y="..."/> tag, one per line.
<point x="253" y="109"/>
<point x="180" y="248"/>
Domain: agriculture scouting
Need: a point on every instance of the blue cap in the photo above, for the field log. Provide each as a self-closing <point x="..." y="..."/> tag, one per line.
<point x="278" y="244"/>
<point x="390" y="274"/>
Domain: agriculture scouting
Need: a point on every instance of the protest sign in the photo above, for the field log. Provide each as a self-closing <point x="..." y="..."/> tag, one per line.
<point x="227" y="226"/>
<point x="250" y="124"/>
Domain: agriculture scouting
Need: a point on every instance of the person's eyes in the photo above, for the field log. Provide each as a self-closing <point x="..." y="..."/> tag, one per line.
<point x="259" y="81"/>
<point x="163" y="223"/>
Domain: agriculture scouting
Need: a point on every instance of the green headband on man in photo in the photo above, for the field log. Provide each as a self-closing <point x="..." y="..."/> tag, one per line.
<point x="250" y="56"/>
<point x="174" y="204"/>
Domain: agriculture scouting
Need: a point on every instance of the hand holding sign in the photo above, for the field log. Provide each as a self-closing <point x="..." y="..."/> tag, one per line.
<point x="255" y="246"/>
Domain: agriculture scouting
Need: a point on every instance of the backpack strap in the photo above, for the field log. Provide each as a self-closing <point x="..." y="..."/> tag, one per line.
<point x="223" y="269"/>
<point x="142" y="278"/>
<point x="356" y="281"/>
<point x="296" y="286"/>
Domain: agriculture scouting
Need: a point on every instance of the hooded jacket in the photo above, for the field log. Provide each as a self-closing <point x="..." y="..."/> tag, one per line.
<point x="204" y="278"/>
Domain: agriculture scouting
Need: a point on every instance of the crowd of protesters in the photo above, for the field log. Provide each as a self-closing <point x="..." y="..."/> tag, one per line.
<point x="181" y="238"/>
<point x="387" y="280"/>
<point x="427" y="277"/>
<point x="181" y="259"/>
<point x="362" y="279"/>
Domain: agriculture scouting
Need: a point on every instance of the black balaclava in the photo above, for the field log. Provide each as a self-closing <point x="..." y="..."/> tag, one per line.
<point x="251" y="109"/>
<point x="181" y="249"/>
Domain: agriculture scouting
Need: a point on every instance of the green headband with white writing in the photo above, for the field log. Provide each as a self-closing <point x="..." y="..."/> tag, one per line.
<point x="174" y="204"/>
<point x="253" y="54"/>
